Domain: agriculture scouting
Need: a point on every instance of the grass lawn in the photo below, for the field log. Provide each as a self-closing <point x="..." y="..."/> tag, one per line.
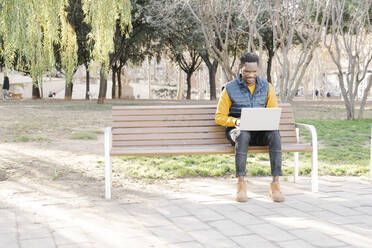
<point x="343" y="150"/>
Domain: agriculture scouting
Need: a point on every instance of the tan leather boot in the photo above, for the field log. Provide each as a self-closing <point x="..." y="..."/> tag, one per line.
<point x="241" y="193"/>
<point x="275" y="193"/>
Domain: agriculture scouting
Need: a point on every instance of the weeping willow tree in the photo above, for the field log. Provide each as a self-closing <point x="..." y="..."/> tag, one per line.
<point x="29" y="29"/>
<point x="69" y="58"/>
<point x="103" y="17"/>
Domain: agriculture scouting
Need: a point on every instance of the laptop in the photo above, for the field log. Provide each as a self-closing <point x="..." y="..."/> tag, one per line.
<point x="260" y="119"/>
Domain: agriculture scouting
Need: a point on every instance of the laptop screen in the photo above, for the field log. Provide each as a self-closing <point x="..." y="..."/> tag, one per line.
<point x="260" y="119"/>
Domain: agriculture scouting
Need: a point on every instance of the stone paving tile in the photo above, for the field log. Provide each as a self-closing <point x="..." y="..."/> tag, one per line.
<point x="35" y="231"/>
<point x="298" y="243"/>
<point x="8" y="240"/>
<point x="207" y="215"/>
<point x="212" y="238"/>
<point x="68" y="235"/>
<point x="78" y="245"/>
<point x="229" y="228"/>
<point x="191" y="244"/>
<point x="255" y="209"/>
<point x="271" y="232"/>
<point x="340" y="210"/>
<point x="288" y="223"/>
<point x="303" y="206"/>
<point x="152" y="220"/>
<point x="38" y="243"/>
<point x="188" y="205"/>
<point x="263" y="202"/>
<point x="144" y="242"/>
<point x="365" y="210"/>
<point x="252" y="240"/>
<point x="243" y="218"/>
<point x="290" y="212"/>
<point x="355" y="240"/>
<point x="170" y="211"/>
<point x="362" y="229"/>
<point x="317" y="238"/>
<point x="189" y="223"/>
<point x="171" y="234"/>
<point x="221" y="208"/>
<point x="362" y="219"/>
<point x="158" y="202"/>
<point x="332" y="217"/>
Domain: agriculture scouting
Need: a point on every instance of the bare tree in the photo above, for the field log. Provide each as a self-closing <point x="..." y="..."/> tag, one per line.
<point x="349" y="43"/>
<point x="253" y="13"/>
<point x="295" y="23"/>
<point x="218" y="20"/>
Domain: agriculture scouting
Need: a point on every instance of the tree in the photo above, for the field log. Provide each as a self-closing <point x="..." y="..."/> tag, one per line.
<point x="350" y="26"/>
<point x="29" y="30"/>
<point x="75" y="17"/>
<point x="212" y="69"/>
<point x="69" y="58"/>
<point x="179" y="36"/>
<point x="295" y="24"/>
<point x="103" y="16"/>
<point x="139" y="44"/>
<point x="219" y="21"/>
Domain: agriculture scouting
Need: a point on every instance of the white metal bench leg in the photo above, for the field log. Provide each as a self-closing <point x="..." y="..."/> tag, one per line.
<point x="314" y="169"/>
<point x="296" y="160"/>
<point x="370" y="163"/>
<point x="108" y="167"/>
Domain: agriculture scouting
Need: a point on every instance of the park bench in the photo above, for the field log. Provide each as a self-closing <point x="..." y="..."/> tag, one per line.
<point x="189" y="129"/>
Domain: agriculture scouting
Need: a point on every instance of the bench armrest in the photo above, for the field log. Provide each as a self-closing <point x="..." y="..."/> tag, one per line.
<point x="312" y="130"/>
<point x="314" y="142"/>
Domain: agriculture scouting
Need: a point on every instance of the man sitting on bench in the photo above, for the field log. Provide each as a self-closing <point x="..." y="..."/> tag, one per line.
<point x="250" y="91"/>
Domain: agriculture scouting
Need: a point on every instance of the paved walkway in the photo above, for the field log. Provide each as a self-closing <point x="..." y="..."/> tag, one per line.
<point x="192" y="213"/>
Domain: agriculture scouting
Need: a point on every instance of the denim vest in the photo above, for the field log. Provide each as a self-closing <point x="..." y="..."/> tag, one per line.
<point x="241" y="97"/>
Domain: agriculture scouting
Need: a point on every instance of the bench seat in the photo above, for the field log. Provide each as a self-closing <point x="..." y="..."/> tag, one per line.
<point x="200" y="149"/>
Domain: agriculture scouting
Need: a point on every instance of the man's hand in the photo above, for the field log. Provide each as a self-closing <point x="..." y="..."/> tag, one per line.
<point x="237" y="122"/>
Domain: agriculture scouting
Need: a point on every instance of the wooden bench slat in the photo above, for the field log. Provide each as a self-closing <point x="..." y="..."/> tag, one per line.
<point x="135" y="112"/>
<point x="196" y="107"/>
<point x="169" y="130"/>
<point x="177" y="117"/>
<point x="151" y="112"/>
<point x="169" y="142"/>
<point x="183" y="136"/>
<point x="191" y="123"/>
<point x="169" y="136"/>
<point x="126" y="124"/>
<point x="162" y="118"/>
<point x="206" y="149"/>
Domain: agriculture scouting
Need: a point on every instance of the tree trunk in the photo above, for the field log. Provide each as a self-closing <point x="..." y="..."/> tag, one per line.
<point x="212" y="80"/>
<point x="68" y="90"/>
<point x="113" y="91"/>
<point x="119" y="81"/>
<point x="102" y="87"/>
<point x="212" y="69"/>
<point x="364" y="99"/>
<point x="269" y="64"/>
<point x="35" y="90"/>
<point x="180" y="85"/>
<point x="188" y="95"/>
<point x="87" y="93"/>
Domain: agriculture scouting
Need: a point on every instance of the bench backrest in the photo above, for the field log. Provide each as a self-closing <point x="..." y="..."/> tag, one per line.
<point x="178" y="126"/>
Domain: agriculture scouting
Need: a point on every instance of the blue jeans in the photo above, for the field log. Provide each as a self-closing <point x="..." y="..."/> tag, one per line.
<point x="243" y="139"/>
